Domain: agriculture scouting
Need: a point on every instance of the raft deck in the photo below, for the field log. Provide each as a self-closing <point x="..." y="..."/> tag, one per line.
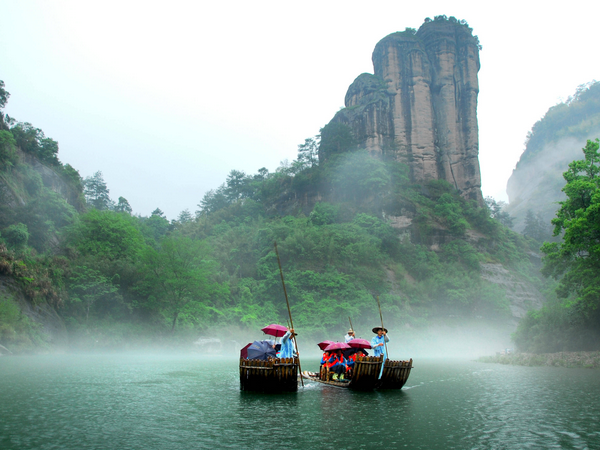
<point x="365" y="375"/>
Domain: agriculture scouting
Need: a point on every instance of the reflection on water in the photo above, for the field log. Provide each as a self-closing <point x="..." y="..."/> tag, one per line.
<point x="189" y="402"/>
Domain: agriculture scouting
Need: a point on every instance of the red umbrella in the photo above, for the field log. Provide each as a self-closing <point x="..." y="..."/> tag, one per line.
<point x="275" y="330"/>
<point x="336" y="346"/>
<point x="359" y="343"/>
<point x="324" y="344"/>
<point x="244" y="351"/>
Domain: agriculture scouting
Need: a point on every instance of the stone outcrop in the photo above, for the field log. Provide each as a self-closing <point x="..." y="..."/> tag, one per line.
<point x="420" y="105"/>
<point x="522" y="295"/>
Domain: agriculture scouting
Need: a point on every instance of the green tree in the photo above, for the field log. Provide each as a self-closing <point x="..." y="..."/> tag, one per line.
<point x="497" y="212"/>
<point x="8" y="154"/>
<point x="185" y="216"/>
<point x="576" y="261"/>
<point x="4" y="95"/>
<point x="16" y="236"/>
<point x="535" y="227"/>
<point x="87" y="286"/>
<point x="123" y="206"/>
<point x="237" y="186"/>
<point x="106" y="234"/>
<point x="336" y="138"/>
<point x="308" y="153"/>
<point x="156" y="226"/>
<point x="178" y="274"/>
<point x="33" y="141"/>
<point x="212" y="201"/>
<point x="96" y="192"/>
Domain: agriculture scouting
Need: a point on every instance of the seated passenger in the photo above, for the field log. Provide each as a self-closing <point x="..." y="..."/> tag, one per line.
<point x="325" y="358"/>
<point x="337" y="365"/>
<point x="353" y="356"/>
<point x="324" y="366"/>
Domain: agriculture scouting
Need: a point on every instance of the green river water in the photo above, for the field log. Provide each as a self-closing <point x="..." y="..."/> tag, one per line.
<point x="133" y="401"/>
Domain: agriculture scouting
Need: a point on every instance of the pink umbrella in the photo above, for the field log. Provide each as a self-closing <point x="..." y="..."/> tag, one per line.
<point x="324" y="344"/>
<point x="337" y="346"/>
<point x="275" y="330"/>
<point x="359" y="343"/>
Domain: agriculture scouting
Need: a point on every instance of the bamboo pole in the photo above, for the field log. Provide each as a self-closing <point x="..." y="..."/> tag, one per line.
<point x="383" y="328"/>
<point x="289" y="311"/>
<point x="351" y="327"/>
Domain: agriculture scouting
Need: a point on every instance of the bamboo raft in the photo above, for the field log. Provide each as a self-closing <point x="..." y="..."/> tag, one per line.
<point x="395" y="374"/>
<point x="365" y="376"/>
<point x="274" y="375"/>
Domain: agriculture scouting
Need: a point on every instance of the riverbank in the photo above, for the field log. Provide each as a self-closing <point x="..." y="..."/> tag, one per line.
<point x="587" y="360"/>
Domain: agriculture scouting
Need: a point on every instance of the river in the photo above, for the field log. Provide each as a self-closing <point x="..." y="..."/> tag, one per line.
<point x="182" y="401"/>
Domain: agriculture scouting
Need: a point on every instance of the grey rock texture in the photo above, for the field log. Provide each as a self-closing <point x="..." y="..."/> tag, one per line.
<point x="420" y="105"/>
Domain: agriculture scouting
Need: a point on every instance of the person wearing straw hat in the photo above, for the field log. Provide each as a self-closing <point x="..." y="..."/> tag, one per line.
<point x="349" y="336"/>
<point x="378" y="342"/>
<point x="287" y="345"/>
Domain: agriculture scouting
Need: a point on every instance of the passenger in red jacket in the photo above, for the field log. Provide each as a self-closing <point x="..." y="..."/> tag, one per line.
<point x="338" y="365"/>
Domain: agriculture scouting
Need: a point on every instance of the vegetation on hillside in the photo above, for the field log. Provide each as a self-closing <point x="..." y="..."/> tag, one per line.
<point x="572" y="321"/>
<point x="115" y="277"/>
<point x="576" y="117"/>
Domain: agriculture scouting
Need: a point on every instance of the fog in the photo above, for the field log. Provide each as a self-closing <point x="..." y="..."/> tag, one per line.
<point x="539" y="181"/>
<point x="456" y="338"/>
<point x="167" y="99"/>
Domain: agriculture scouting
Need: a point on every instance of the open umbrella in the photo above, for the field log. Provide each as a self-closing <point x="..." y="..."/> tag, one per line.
<point x="261" y="350"/>
<point x="336" y="346"/>
<point x="359" y="343"/>
<point x="244" y="351"/>
<point x="324" y="344"/>
<point x="275" y="330"/>
<point x="351" y="351"/>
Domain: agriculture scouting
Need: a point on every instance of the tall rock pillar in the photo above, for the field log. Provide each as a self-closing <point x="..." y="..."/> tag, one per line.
<point x="420" y="106"/>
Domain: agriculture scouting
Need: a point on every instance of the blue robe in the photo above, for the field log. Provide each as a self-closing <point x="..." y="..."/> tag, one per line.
<point x="287" y="346"/>
<point x="378" y="351"/>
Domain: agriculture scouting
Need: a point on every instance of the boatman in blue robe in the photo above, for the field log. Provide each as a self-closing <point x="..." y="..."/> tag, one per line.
<point x="349" y="336"/>
<point x="287" y="345"/>
<point x="378" y="344"/>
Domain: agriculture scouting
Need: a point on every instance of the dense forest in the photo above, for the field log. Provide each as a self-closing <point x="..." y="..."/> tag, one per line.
<point x="571" y="319"/>
<point x="119" y="279"/>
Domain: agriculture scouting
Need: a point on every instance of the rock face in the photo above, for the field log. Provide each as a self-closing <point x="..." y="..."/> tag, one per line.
<point x="420" y="106"/>
<point x="536" y="184"/>
<point x="522" y="294"/>
<point x="554" y="141"/>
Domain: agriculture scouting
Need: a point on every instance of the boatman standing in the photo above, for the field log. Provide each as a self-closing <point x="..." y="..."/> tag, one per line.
<point x="287" y="345"/>
<point x="349" y="336"/>
<point x="378" y="342"/>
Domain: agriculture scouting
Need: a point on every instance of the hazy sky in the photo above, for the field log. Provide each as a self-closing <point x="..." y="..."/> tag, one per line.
<point x="166" y="98"/>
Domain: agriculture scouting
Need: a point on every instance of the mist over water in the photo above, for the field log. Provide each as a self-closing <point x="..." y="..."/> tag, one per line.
<point x="458" y="338"/>
<point x="176" y="401"/>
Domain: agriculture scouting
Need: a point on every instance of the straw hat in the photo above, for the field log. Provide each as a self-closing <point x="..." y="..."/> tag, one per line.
<point x="376" y="329"/>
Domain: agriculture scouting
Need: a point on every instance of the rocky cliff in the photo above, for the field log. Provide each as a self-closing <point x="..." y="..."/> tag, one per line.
<point x="420" y="105"/>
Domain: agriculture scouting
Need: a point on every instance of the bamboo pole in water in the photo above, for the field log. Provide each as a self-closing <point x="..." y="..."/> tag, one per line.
<point x="289" y="311"/>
